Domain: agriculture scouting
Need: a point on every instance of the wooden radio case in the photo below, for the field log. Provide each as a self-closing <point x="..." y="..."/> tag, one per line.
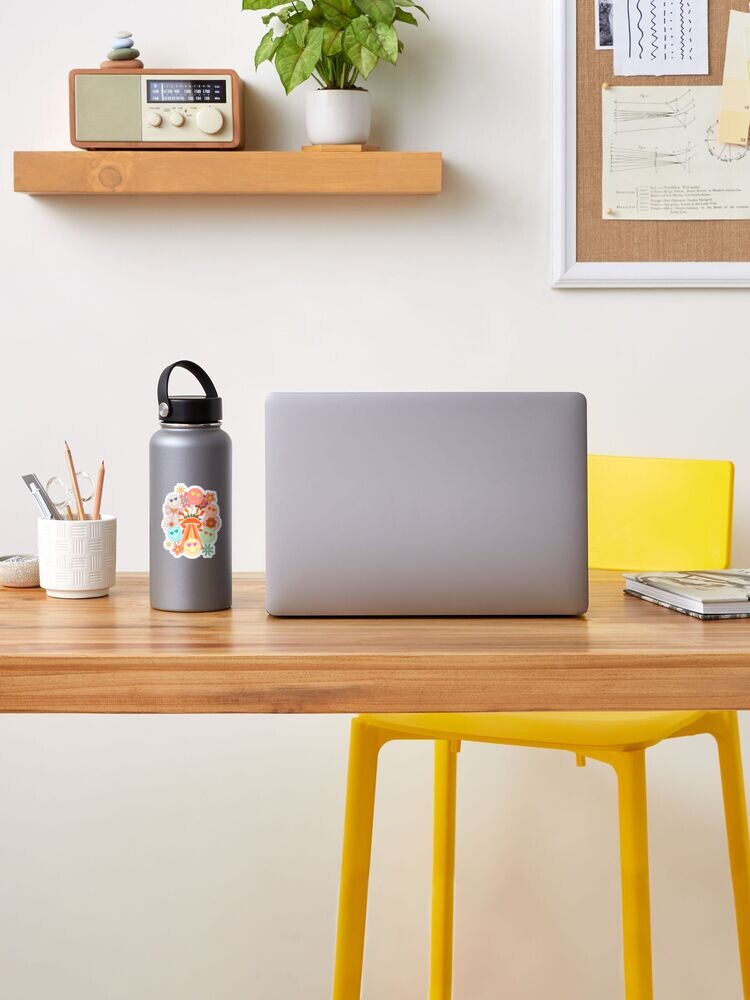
<point x="156" y="109"/>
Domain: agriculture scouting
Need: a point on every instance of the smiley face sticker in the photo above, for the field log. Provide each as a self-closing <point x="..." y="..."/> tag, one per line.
<point x="191" y="522"/>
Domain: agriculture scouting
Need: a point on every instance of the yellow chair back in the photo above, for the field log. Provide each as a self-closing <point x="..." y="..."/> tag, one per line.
<point x="659" y="513"/>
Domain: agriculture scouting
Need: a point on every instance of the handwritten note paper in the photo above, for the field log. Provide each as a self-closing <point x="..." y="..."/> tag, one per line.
<point x="660" y="37"/>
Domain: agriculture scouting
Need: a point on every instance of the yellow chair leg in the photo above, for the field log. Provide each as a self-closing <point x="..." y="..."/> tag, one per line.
<point x="365" y="743"/>
<point x="735" y="809"/>
<point x="443" y="870"/>
<point x="636" y="908"/>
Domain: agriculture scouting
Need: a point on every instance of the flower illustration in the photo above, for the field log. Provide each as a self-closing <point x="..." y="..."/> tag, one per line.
<point x="168" y="544"/>
<point x="208" y="551"/>
<point x="180" y="488"/>
<point x="177" y="549"/>
<point x="210" y="522"/>
<point x="210" y="496"/>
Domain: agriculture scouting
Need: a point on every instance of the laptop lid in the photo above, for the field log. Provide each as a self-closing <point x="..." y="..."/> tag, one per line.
<point x="426" y="504"/>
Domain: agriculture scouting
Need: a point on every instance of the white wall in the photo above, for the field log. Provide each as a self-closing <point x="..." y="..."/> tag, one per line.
<point x="198" y="857"/>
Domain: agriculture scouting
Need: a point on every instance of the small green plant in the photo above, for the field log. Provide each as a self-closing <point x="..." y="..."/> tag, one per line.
<point x="333" y="41"/>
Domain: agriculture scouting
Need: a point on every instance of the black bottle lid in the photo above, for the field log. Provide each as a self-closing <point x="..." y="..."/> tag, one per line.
<point x="188" y="409"/>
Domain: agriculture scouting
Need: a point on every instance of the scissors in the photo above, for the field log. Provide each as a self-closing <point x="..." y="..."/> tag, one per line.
<point x="62" y="495"/>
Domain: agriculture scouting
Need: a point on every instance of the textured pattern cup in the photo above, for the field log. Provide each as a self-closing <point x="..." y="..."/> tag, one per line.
<point x="77" y="558"/>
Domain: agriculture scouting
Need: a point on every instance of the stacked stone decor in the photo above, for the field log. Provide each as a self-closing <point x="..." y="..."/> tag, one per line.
<point x="122" y="55"/>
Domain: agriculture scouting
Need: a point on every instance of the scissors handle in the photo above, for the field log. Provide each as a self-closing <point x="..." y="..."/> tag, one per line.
<point x="62" y="495"/>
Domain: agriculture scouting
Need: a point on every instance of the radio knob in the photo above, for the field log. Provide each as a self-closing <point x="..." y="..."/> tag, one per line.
<point x="210" y="120"/>
<point x="154" y="119"/>
<point x="176" y="119"/>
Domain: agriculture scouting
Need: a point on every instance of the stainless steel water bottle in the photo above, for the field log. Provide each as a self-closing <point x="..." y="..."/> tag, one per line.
<point x="190" y="500"/>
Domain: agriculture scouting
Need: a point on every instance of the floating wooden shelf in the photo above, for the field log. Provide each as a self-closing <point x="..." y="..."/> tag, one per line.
<point x="118" y="172"/>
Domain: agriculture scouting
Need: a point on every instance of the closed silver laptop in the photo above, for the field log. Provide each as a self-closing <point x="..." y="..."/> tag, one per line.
<point x="426" y="503"/>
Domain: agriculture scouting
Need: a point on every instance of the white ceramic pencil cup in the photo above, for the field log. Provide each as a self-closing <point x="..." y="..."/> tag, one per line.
<point x="77" y="558"/>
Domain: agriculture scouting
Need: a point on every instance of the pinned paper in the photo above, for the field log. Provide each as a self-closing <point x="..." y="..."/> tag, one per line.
<point x="661" y="37"/>
<point x="734" y="117"/>
<point x="662" y="157"/>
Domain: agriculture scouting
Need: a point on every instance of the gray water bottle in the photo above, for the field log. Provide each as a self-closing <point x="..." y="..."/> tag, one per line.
<point x="190" y="500"/>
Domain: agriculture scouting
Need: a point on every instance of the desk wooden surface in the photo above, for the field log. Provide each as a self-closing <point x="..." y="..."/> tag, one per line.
<point x="117" y="655"/>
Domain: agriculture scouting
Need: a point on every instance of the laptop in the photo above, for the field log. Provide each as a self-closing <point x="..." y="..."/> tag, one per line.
<point x="426" y="503"/>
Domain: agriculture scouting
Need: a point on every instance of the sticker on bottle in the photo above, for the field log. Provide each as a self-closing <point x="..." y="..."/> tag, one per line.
<point x="191" y="522"/>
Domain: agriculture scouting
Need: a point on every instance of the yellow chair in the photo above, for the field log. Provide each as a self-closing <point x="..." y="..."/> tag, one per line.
<point x="644" y="513"/>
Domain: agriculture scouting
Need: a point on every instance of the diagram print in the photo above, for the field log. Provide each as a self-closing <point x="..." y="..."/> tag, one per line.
<point x="724" y="152"/>
<point x="649" y="116"/>
<point x="662" y="158"/>
<point x="622" y="158"/>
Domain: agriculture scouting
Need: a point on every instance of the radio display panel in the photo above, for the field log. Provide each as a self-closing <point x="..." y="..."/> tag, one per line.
<point x="186" y="91"/>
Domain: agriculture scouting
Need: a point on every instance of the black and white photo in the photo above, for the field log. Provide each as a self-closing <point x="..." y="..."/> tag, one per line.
<point x="603" y="15"/>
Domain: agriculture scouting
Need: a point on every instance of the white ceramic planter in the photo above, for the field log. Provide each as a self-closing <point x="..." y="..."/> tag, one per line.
<point x="77" y="558"/>
<point x="334" y="117"/>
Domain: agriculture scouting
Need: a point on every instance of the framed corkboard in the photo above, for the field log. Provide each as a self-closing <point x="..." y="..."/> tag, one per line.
<point x="591" y="251"/>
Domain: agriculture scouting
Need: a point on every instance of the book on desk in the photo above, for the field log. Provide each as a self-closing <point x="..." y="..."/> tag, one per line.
<point x="708" y="595"/>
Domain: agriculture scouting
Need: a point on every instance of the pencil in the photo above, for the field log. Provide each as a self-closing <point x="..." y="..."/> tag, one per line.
<point x="96" y="513"/>
<point x="74" y="483"/>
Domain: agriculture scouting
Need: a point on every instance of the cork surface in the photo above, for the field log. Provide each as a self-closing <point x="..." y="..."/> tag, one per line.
<point x="600" y="239"/>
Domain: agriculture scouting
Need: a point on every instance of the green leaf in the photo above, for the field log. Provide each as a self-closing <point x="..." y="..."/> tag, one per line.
<point x="267" y="48"/>
<point x="406" y="17"/>
<point x="261" y="4"/>
<point x="410" y="3"/>
<point x="281" y="14"/>
<point x="380" y="39"/>
<point x="389" y="41"/>
<point x="361" y="58"/>
<point x="297" y="55"/>
<point x="333" y="40"/>
<point x="383" y="11"/>
<point x="288" y="15"/>
<point x="338" y="12"/>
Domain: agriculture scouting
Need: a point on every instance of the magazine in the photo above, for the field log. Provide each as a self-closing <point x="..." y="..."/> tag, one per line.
<point x="705" y="594"/>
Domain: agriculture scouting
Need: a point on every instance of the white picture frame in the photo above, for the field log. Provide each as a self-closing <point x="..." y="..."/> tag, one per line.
<point x="567" y="270"/>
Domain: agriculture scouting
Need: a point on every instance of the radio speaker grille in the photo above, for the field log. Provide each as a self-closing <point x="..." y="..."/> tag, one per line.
<point x="108" y="108"/>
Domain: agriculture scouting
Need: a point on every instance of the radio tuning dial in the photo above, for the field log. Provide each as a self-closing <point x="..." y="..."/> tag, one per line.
<point x="210" y="120"/>
<point x="154" y="119"/>
<point x="176" y="119"/>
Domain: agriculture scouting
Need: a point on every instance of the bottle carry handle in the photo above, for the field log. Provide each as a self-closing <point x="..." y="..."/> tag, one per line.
<point x="165" y="402"/>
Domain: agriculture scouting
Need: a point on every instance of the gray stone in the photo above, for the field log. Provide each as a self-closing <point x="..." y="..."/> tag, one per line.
<point x="123" y="54"/>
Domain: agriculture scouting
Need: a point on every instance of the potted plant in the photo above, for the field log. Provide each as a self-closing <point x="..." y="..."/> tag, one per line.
<point x="335" y="42"/>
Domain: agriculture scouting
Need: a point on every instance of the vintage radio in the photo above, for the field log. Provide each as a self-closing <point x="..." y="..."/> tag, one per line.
<point x="156" y="109"/>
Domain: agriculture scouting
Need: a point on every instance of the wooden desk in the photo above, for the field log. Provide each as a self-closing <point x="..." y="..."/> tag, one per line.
<point x="117" y="655"/>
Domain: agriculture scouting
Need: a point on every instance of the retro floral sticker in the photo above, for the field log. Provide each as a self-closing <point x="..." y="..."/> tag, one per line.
<point x="191" y="522"/>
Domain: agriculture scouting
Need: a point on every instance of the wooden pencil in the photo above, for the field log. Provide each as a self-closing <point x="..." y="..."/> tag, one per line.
<point x="97" y="511"/>
<point x="74" y="483"/>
